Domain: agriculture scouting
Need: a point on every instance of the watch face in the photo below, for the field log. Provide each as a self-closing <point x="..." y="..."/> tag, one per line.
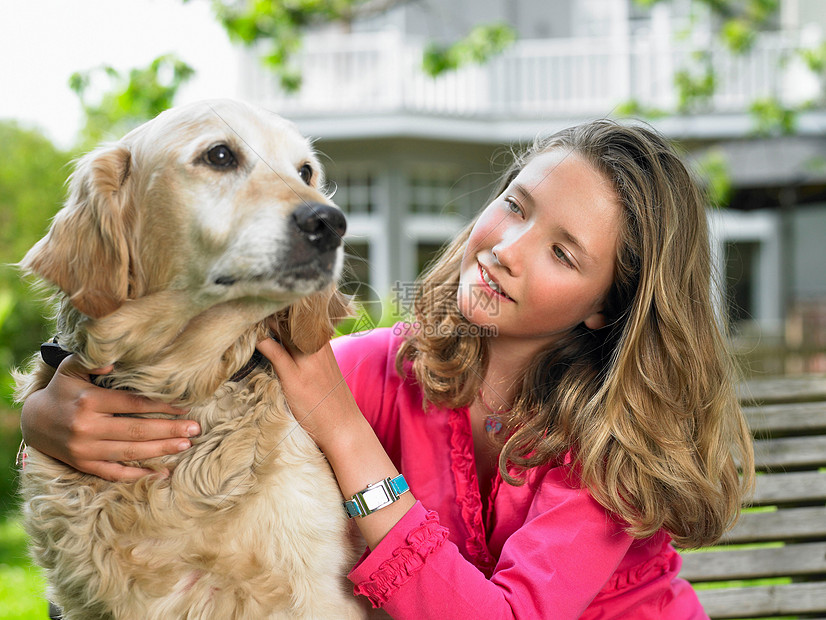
<point x="375" y="498"/>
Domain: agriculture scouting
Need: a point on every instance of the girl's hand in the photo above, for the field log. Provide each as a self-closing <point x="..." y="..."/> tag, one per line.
<point x="315" y="389"/>
<point x="73" y="421"/>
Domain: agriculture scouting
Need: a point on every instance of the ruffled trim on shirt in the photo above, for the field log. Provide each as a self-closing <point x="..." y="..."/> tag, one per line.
<point x="467" y="493"/>
<point x="645" y="572"/>
<point x="408" y="559"/>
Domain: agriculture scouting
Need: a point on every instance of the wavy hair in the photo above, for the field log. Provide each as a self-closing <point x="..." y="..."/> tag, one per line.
<point x="646" y="405"/>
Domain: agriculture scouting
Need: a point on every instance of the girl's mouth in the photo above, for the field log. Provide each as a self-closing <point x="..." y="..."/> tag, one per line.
<point x="483" y="273"/>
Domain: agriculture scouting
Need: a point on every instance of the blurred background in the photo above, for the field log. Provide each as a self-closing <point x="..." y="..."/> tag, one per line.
<point x="414" y="105"/>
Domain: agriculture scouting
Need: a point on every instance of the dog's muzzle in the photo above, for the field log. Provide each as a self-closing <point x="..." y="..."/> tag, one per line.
<point x="306" y="262"/>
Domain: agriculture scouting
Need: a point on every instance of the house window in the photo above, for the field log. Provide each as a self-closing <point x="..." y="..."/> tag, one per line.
<point x="355" y="281"/>
<point x="356" y="271"/>
<point x="437" y="190"/>
<point x="354" y="191"/>
<point x="426" y="253"/>
<point x="741" y="260"/>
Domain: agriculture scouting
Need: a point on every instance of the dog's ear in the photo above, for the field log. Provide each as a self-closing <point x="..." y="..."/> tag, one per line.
<point x="86" y="252"/>
<point x="310" y="322"/>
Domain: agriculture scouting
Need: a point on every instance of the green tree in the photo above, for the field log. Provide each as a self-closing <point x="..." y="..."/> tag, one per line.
<point x="129" y="99"/>
<point x="32" y="175"/>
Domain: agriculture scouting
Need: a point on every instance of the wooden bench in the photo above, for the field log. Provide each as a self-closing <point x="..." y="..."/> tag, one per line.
<point x="773" y="562"/>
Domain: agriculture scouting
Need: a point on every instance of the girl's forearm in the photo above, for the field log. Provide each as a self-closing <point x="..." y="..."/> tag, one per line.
<point x="358" y="459"/>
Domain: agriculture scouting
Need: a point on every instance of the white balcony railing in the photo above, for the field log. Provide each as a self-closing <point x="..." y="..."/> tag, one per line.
<point x="367" y="73"/>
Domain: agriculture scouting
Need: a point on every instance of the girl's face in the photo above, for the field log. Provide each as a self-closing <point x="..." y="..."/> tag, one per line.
<point x="540" y="258"/>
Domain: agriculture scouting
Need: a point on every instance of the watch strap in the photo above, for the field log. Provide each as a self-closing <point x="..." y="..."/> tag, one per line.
<point x="376" y="496"/>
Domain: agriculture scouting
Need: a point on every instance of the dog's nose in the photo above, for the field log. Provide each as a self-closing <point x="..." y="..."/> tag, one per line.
<point x="322" y="225"/>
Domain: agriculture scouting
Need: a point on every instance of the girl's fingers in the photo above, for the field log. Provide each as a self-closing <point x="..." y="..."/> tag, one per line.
<point x="120" y="451"/>
<point x="78" y="423"/>
<point x="151" y="429"/>
<point x="112" y="401"/>
<point x="115" y="472"/>
<point x="107" y="458"/>
<point x="94" y="399"/>
<point x="277" y="354"/>
<point x="120" y="401"/>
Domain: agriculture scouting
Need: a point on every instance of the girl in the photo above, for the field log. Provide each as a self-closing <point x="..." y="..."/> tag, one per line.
<point x="561" y="409"/>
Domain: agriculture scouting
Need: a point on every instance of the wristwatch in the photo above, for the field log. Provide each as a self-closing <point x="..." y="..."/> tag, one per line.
<point x="376" y="496"/>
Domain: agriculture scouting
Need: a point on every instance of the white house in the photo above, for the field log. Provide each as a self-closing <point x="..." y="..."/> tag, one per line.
<point x="412" y="157"/>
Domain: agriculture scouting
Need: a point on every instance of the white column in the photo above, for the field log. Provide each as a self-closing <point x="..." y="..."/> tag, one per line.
<point x="621" y="43"/>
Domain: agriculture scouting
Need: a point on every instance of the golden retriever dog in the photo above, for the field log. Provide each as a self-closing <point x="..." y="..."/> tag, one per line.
<point x="180" y="247"/>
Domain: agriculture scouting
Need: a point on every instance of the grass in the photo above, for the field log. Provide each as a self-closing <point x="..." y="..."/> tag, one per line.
<point x="21" y="584"/>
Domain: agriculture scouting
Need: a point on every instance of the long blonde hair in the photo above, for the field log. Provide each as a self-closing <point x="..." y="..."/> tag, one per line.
<point x="646" y="406"/>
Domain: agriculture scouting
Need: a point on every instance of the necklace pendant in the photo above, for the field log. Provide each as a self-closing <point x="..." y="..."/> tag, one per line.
<point x="493" y="424"/>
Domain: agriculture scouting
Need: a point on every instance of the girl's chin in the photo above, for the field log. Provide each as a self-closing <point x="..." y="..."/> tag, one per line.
<point x="477" y="304"/>
<point x="476" y="317"/>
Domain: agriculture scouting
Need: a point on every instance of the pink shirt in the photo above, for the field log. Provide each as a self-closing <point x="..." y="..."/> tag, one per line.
<point x="546" y="549"/>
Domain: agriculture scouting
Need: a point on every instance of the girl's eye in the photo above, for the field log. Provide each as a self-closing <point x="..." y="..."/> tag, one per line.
<point x="513" y="206"/>
<point x="560" y="254"/>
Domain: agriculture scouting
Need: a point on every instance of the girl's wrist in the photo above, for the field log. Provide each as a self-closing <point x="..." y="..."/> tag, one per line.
<point x="341" y="434"/>
<point x="358" y="460"/>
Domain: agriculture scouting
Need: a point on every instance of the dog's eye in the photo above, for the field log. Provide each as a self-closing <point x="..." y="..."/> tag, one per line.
<point x="306" y="173"/>
<point x="220" y="156"/>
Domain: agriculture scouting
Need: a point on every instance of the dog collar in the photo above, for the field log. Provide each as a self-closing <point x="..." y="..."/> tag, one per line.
<point x="52" y="353"/>
<point x="254" y="362"/>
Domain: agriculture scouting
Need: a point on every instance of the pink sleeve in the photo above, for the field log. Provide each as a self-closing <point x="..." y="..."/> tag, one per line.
<point x="551" y="567"/>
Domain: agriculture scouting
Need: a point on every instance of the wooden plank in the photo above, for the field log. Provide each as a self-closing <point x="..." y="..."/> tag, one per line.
<point x="724" y="565"/>
<point x="793" y="598"/>
<point x="787" y="419"/>
<point x="800" y="487"/>
<point x="783" y="389"/>
<point x="790" y="452"/>
<point x="786" y="525"/>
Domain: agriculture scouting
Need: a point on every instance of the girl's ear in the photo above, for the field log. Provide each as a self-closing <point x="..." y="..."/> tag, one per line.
<point x="596" y="321"/>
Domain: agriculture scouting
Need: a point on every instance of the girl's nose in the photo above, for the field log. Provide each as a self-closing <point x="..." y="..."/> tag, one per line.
<point x="505" y="255"/>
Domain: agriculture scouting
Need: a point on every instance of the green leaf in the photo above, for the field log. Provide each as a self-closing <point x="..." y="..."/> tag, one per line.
<point x="715" y="171"/>
<point x="32" y="176"/>
<point x="130" y="99"/>
<point x="633" y="108"/>
<point x="436" y="60"/>
<point x="815" y="58"/>
<point x="479" y="46"/>
<point x="772" y="118"/>
<point x="738" y="35"/>
<point x="6" y="305"/>
<point x="695" y="88"/>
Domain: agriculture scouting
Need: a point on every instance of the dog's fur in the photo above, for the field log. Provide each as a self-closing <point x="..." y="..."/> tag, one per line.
<point x="172" y="268"/>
